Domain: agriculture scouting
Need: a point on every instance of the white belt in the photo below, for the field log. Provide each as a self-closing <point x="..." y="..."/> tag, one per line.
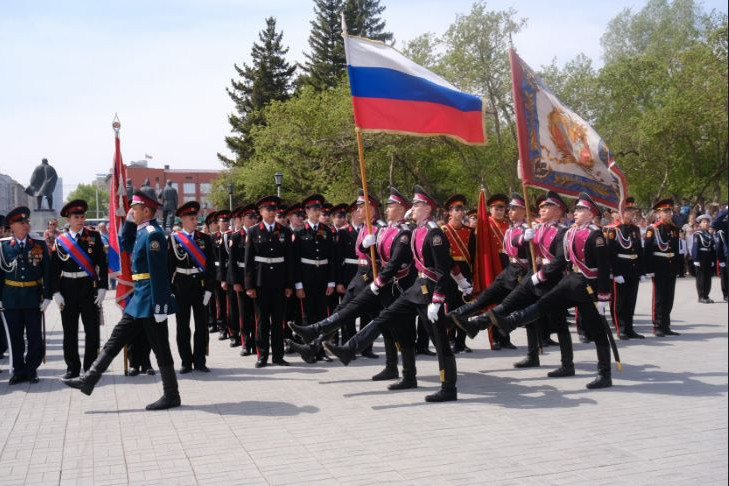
<point x="269" y="260"/>
<point x="662" y="254"/>
<point x="627" y="256"/>
<point x="704" y="249"/>
<point x="518" y="260"/>
<point x="364" y="262"/>
<point x="217" y="264"/>
<point x="354" y="261"/>
<point x="74" y="274"/>
<point x="187" y="271"/>
<point x="546" y="261"/>
<point x="317" y="263"/>
<point x="241" y="264"/>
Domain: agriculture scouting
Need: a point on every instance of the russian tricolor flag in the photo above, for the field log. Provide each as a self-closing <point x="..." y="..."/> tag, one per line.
<point x="390" y="93"/>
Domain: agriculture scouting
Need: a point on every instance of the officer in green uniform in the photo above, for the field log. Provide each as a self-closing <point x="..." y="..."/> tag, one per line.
<point x="25" y="292"/>
<point x="148" y="307"/>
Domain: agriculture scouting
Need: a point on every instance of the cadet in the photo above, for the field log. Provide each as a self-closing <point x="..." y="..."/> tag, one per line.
<point x="426" y="297"/>
<point x="193" y="281"/>
<point x="80" y="278"/>
<point x="25" y="292"/>
<point x="662" y="263"/>
<point x="232" y="326"/>
<point x="721" y="226"/>
<point x="149" y="306"/>
<point x="220" y="253"/>
<point x="314" y="266"/>
<point x="236" y="278"/>
<point x="499" y="225"/>
<point x="269" y="276"/>
<point x="703" y="255"/>
<point x="210" y="228"/>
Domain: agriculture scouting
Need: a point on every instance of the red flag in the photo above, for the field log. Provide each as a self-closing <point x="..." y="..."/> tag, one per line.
<point x="118" y="207"/>
<point x="486" y="265"/>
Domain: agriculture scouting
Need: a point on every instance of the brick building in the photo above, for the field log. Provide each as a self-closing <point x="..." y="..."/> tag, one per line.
<point x="191" y="184"/>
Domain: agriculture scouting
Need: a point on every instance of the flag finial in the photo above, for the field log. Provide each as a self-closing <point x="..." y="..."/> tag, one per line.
<point x="116" y="125"/>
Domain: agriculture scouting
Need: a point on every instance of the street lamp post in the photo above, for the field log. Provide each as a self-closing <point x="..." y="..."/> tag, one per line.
<point x="278" y="179"/>
<point x="230" y="197"/>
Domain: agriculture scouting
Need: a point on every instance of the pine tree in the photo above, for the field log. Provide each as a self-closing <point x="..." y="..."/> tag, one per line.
<point x="268" y="78"/>
<point x="363" y="19"/>
<point x="325" y="64"/>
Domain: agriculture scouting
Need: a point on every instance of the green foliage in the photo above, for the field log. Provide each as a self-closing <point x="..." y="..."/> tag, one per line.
<point x="363" y="18"/>
<point x="267" y="79"/>
<point x="325" y="64"/>
<point x="88" y="193"/>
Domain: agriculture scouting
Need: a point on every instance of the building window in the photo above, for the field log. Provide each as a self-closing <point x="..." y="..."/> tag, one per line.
<point x="205" y="188"/>
<point x="189" y="197"/>
<point x="189" y="188"/>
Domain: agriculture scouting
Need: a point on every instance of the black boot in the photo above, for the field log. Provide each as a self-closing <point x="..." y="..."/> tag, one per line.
<point x="658" y="332"/>
<point x="448" y="391"/>
<point x="308" y="352"/>
<point x="408" y="370"/>
<point x="466" y="310"/>
<point x="357" y="344"/>
<point x="171" y="394"/>
<point x="604" y="375"/>
<point x="565" y="349"/>
<point x="390" y="372"/>
<point x="88" y="380"/>
<point x="506" y="324"/>
<point x="634" y="335"/>
<point x="531" y="361"/>
<point x="307" y="333"/>
<point x="473" y="325"/>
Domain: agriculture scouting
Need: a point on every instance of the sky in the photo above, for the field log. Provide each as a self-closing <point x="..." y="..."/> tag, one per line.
<point x="163" y="66"/>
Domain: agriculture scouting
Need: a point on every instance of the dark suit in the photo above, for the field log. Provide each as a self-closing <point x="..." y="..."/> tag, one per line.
<point x="314" y="267"/>
<point x="626" y="258"/>
<point x="236" y="275"/>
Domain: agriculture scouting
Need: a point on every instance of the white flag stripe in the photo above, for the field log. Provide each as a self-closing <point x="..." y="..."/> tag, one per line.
<point x="367" y="53"/>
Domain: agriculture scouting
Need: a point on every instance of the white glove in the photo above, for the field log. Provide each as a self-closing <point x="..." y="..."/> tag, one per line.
<point x="619" y="279"/>
<point x="529" y="234"/>
<point x="722" y="264"/>
<point x="100" y="293"/>
<point x="535" y="279"/>
<point x="44" y="304"/>
<point x="433" y="312"/>
<point x="59" y="300"/>
<point x="602" y="306"/>
<point x="206" y="297"/>
<point x="160" y="317"/>
<point x="465" y="287"/>
<point x="1" y="305"/>
<point x="369" y="240"/>
<point x="643" y="278"/>
<point x="650" y="275"/>
<point x="374" y="288"/>
<point x="697" y="264"/>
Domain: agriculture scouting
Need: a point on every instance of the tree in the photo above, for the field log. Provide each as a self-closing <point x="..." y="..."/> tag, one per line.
<point x="324" y="66"/>
<point x="89" y="192"/>
<point x="267" y="79"/>
<point x="363" y="18"/>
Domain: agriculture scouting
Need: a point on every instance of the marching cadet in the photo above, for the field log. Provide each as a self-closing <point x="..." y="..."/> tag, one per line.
<point x="227" y="284"/>
<point x="26" y="288"/>
<point x="236" y="278"/>
<point x="499" y="225"/>
<point x="703" y="255"/>
<point x="193" y="280"/>
<point x="149" y="306"/>
<point x="721" y="227"/>
<point x="626" y="259"/>
<point x="662" y="262"/>
<point x="269" y="276"/>
<point x="587" y="286"/>
<point x="220" y="253"/>
<point x="462" y="242"/>
<point x="314" y="265"/>
<point x="425" y="297"/>
<point x="80" y="281"/>
<point x="517" y="250"/>
<point x="345" y="258"/>
<point x="210" y="228"/>
<point x="295" y="217"/>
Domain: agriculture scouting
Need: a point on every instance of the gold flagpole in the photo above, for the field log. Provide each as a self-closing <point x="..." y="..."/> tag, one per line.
<point x="363" y="176"/>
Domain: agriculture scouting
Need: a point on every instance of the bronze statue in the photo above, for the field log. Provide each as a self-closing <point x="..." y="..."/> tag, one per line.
<point x="169" y="205"/>
<point x="42" y="183"/>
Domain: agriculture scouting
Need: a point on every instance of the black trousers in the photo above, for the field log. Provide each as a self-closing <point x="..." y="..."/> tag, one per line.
<point x="704" y="272"/>
<point x="422" y="340"/>
<point x="625" y="296"/>
<point x="316" y="302"/>
<point x="247" y="319"/>
<point x="129" y="328"/>
<point x="138" y="352"/>
<point x="269" y="305"/>
<point x="231" y="302"/>
<point x="89" y="313"/>
<point x="20" y="323"/>
<point x="494" y="294"/>
<point x="723" y="277"/>
<point x="191" y="305"/>
<point x="3" y="341"/>
<point x="664" y="288"/>
<point x="221" y="304"/>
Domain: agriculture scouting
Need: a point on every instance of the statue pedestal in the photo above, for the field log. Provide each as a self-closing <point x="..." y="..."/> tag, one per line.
<point x="39" y="219"/>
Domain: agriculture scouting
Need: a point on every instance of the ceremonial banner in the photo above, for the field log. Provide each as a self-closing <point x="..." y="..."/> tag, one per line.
<point x="486" y="265"/>
<point x="558" y="150"/>
<point x="390" y="93"/>
<point x="118" y="207"/>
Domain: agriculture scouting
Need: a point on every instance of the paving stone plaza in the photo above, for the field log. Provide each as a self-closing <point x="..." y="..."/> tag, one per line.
<point x="663" y="422"/>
